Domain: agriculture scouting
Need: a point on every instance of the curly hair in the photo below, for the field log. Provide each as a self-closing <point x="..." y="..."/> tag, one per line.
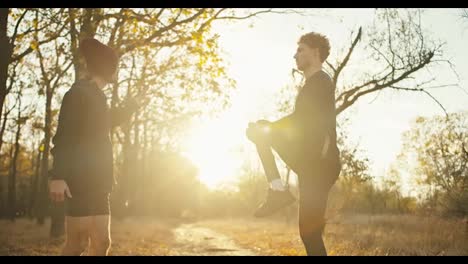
<point x="317" y="40"/>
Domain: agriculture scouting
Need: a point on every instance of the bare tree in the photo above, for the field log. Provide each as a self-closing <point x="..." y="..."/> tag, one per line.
<point x="24" y="25"/>
<point x="397" y="49"/>
<point x="464" y="13"/>
<point x="20" y="121"/>
<point x="54" y="70"/>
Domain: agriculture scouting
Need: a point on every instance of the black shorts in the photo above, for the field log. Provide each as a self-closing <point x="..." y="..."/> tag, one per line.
<point x="87" y="204"/>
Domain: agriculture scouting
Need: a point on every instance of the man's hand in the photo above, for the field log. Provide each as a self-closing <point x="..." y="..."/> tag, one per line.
<point x="58" y="189"/>
<point x="258" y="131"/>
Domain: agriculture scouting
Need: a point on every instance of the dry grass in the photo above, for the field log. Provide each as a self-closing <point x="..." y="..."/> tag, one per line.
<point x="143" y="237"/>
<point x="129" y="237"/>
<point x="353" y="235"/>
<point x="24" y="237"/>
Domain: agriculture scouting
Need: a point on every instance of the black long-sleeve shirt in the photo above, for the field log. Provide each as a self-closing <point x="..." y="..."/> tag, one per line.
<point x="313" y="120"/>
<point x="82" y="145"/>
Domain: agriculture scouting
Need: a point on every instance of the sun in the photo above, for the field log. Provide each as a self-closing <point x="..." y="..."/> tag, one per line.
<point x="218" y="147"/>
<point x="215" y="147"/>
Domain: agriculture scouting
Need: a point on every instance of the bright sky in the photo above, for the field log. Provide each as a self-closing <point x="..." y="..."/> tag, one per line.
<point x="261" y="59"/>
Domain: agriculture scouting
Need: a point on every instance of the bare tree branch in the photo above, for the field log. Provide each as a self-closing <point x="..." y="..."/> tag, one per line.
<point x="348" y="102"/>
<point x="17" y="25"/>
<point x="465" y="13"/>
<point x="348" y="55"/>
<point x="29" y="49"/>
<point x="131" y="44"/>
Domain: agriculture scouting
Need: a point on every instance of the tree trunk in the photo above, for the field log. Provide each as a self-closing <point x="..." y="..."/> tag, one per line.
<point x="5" y="56"/>
<point x="2" y="129"/>
<point x="35" y="186"/>
<point x="10" y="187"/>
<point x="43" y="190"/>
<point x="13" y="169"/>
<point x="57" y="213"/>
<point x="34" y="181"/>
<point x="137" y="193"/>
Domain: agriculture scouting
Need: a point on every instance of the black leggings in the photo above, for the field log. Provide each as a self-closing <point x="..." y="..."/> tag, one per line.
<point x="314" y="186"/>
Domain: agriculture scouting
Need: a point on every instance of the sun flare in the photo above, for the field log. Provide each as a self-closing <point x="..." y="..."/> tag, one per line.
<point x="215" y="147"/>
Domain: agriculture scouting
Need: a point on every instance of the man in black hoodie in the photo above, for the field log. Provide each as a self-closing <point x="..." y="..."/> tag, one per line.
<point x="82" y="172"/>
<point x="306" y="141"/>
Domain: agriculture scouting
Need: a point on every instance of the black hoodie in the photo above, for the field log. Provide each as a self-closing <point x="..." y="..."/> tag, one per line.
<point x="82" y="144"/>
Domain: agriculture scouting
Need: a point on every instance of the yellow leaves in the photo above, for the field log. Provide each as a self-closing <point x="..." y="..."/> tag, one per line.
<point x="34" y="45"/>
<point x="35" y="23"/>
<point x="12" y="14"/>
<point x="19" y="37"/>
<point x="185" y="11"/>
<point x="420" y="119"/>
<point x="210" y="44"/>
<point x="423" y="163"/>
<point x="197" y="36"/>
<point x="204" y="15"/>
<point x="220" y="72"/>
<point x="126" y="12"/>
<point x="427" y="144"/>
<point x="201" y="62"/>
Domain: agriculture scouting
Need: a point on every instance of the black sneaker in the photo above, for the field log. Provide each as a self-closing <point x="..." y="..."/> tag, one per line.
<point x="275" y="201"/>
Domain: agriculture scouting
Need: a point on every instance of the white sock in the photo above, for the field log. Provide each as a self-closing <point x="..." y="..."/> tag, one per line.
<point x="277" y="185"/>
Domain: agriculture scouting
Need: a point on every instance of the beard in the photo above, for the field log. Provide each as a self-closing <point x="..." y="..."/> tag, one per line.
<point x="301" y="66"/>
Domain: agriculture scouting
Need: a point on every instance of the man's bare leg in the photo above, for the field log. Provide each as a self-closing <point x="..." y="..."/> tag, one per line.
<point x="100" y="240"/>
<point x="76" y="229"/>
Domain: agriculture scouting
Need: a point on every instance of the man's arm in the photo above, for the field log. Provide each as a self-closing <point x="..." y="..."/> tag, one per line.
<point x="65" y="137"/>
<point x="316" y="113"/>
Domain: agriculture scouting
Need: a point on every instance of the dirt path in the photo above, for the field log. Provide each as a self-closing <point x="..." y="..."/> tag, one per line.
<point x="201" y="241"/>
